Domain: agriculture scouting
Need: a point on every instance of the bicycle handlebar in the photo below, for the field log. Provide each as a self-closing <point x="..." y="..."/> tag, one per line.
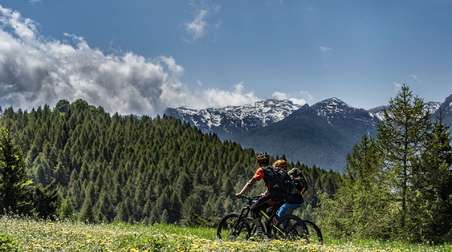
<point x="249" y="199"/>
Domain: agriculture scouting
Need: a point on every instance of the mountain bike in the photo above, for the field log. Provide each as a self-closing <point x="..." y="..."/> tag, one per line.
<point x="235" y="226"/>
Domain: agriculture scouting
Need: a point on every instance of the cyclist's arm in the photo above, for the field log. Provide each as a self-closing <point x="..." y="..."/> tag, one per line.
<point x="257" y="176"/>
<point x="247" y="186"/>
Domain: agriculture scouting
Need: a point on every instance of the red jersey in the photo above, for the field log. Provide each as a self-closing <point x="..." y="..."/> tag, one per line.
<point x="259" y="175"/>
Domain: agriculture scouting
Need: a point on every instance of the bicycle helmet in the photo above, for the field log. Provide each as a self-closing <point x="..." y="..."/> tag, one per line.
<point x="263" y="157"/>
<point x="281" y="164"/>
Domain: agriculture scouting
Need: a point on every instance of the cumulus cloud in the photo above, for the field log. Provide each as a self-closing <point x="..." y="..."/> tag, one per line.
<point x="237" y="96"/>
<point x="36" y="71"/>
<point x="285" y="96"/>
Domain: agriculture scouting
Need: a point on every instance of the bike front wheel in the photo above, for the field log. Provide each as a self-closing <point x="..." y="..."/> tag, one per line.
<point x="295" y="228"/>
<point x="232" y="227"/>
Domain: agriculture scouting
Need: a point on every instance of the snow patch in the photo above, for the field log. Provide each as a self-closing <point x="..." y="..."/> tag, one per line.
<point x="261" y="113"/>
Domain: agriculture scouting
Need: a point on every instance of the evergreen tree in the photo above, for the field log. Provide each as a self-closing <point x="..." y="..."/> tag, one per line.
<point x="360" y="208"/>
<point x="103" y="210"/>
<point x="128" y="168"/>
<point x="45" y="201"/>
<point x="433" y="193"/>
<point x="404" y="174"/>
<point x="403" y="135"/>
<point x="86" y="212"/>
<point x="65" y="209"/>
<point x="15" y="187"/>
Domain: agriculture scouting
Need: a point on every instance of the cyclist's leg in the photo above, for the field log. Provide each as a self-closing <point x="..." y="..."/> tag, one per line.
<point x="286" y="209"/>
<point x="260" y="205"/>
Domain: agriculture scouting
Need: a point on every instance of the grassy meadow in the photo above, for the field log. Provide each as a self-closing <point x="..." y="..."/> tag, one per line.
<point x="31" y="235"/>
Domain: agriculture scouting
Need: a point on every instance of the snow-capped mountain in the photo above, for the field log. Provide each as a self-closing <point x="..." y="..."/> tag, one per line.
<point x="233" y="119"/>
<point x="330" y="107"/>
<point x="334" y="110"/>
<point x="322" y="134"/>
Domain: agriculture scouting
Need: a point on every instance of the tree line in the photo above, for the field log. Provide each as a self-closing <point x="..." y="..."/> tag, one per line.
<point x="398" y="184"/>
<point x="95" y="167"/>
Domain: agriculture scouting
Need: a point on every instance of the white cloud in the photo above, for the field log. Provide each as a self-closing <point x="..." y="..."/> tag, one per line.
<point x="284" y="96"/>
<point x="325" y="49"/>
<point x="24" y="28"/>
<point x="205" y="19"/>
<point x="36" y="71"/>
<point x="197" y="27"/>
<point x="222" y="98"/>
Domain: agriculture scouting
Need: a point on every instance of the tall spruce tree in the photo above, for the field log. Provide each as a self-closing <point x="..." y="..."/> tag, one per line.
<point x="433" y="195"/>
<point x="360" y="208"/>
<point x="15" y="187"/>
<point x="403" y="136"/>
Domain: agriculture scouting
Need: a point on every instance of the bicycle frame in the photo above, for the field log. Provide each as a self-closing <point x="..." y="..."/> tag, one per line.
<point x="269" y="222"/>
<point x="243" y="215"/>
<point x="284" y="229"/>
<point x="268" y="219"/>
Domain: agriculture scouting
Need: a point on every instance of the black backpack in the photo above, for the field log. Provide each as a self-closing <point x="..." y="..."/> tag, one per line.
<point x="293" y="190"/>
<point x="277" y="181"/>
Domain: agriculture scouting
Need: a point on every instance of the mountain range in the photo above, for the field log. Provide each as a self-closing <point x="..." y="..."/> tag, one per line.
<point x="322" y="134"/>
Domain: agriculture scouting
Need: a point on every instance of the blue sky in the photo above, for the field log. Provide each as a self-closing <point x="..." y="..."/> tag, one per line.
<point x="354" y="50"/>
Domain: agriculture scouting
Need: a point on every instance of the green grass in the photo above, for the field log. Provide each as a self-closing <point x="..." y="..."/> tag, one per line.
<point x="31" y="235"/>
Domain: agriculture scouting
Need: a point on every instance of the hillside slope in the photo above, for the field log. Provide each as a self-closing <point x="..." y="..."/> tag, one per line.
<point x="128" y="168"/>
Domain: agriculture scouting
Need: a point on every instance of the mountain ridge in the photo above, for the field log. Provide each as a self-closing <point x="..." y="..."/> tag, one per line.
<point x="321" y="134"/>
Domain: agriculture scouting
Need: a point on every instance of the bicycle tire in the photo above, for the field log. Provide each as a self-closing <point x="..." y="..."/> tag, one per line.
<point x="226" y="225"/>
<point x="296" y="229"/>
<point x="314" y="232"/>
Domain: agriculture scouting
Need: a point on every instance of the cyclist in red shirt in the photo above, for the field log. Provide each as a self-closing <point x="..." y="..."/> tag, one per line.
<point x="273" y="181"/>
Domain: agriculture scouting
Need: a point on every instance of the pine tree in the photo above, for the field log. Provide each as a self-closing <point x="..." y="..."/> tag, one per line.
<point x="403" y="135"/>
<point x="86" y="211"/>
<point x="360" y="208"/>
<point x="42" y="171"/>
<point x="65" y="209"/>
<point x="15" y="187"/>
<point x="103" y="210"/>
<point x="433" y="191"/>
<point x="45" y="201"/>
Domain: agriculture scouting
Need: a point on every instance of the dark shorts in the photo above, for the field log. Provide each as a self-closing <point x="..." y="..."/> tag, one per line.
<point x="263" y="203"/>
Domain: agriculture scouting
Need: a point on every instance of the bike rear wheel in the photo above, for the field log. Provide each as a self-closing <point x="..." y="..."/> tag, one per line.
<point x="231" y="227"/>
<point x="312" y="233"/>
<point x="297" y="229"/>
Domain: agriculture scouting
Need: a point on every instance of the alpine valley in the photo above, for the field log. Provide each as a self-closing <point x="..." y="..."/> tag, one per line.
<point x="321" y="134"/>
